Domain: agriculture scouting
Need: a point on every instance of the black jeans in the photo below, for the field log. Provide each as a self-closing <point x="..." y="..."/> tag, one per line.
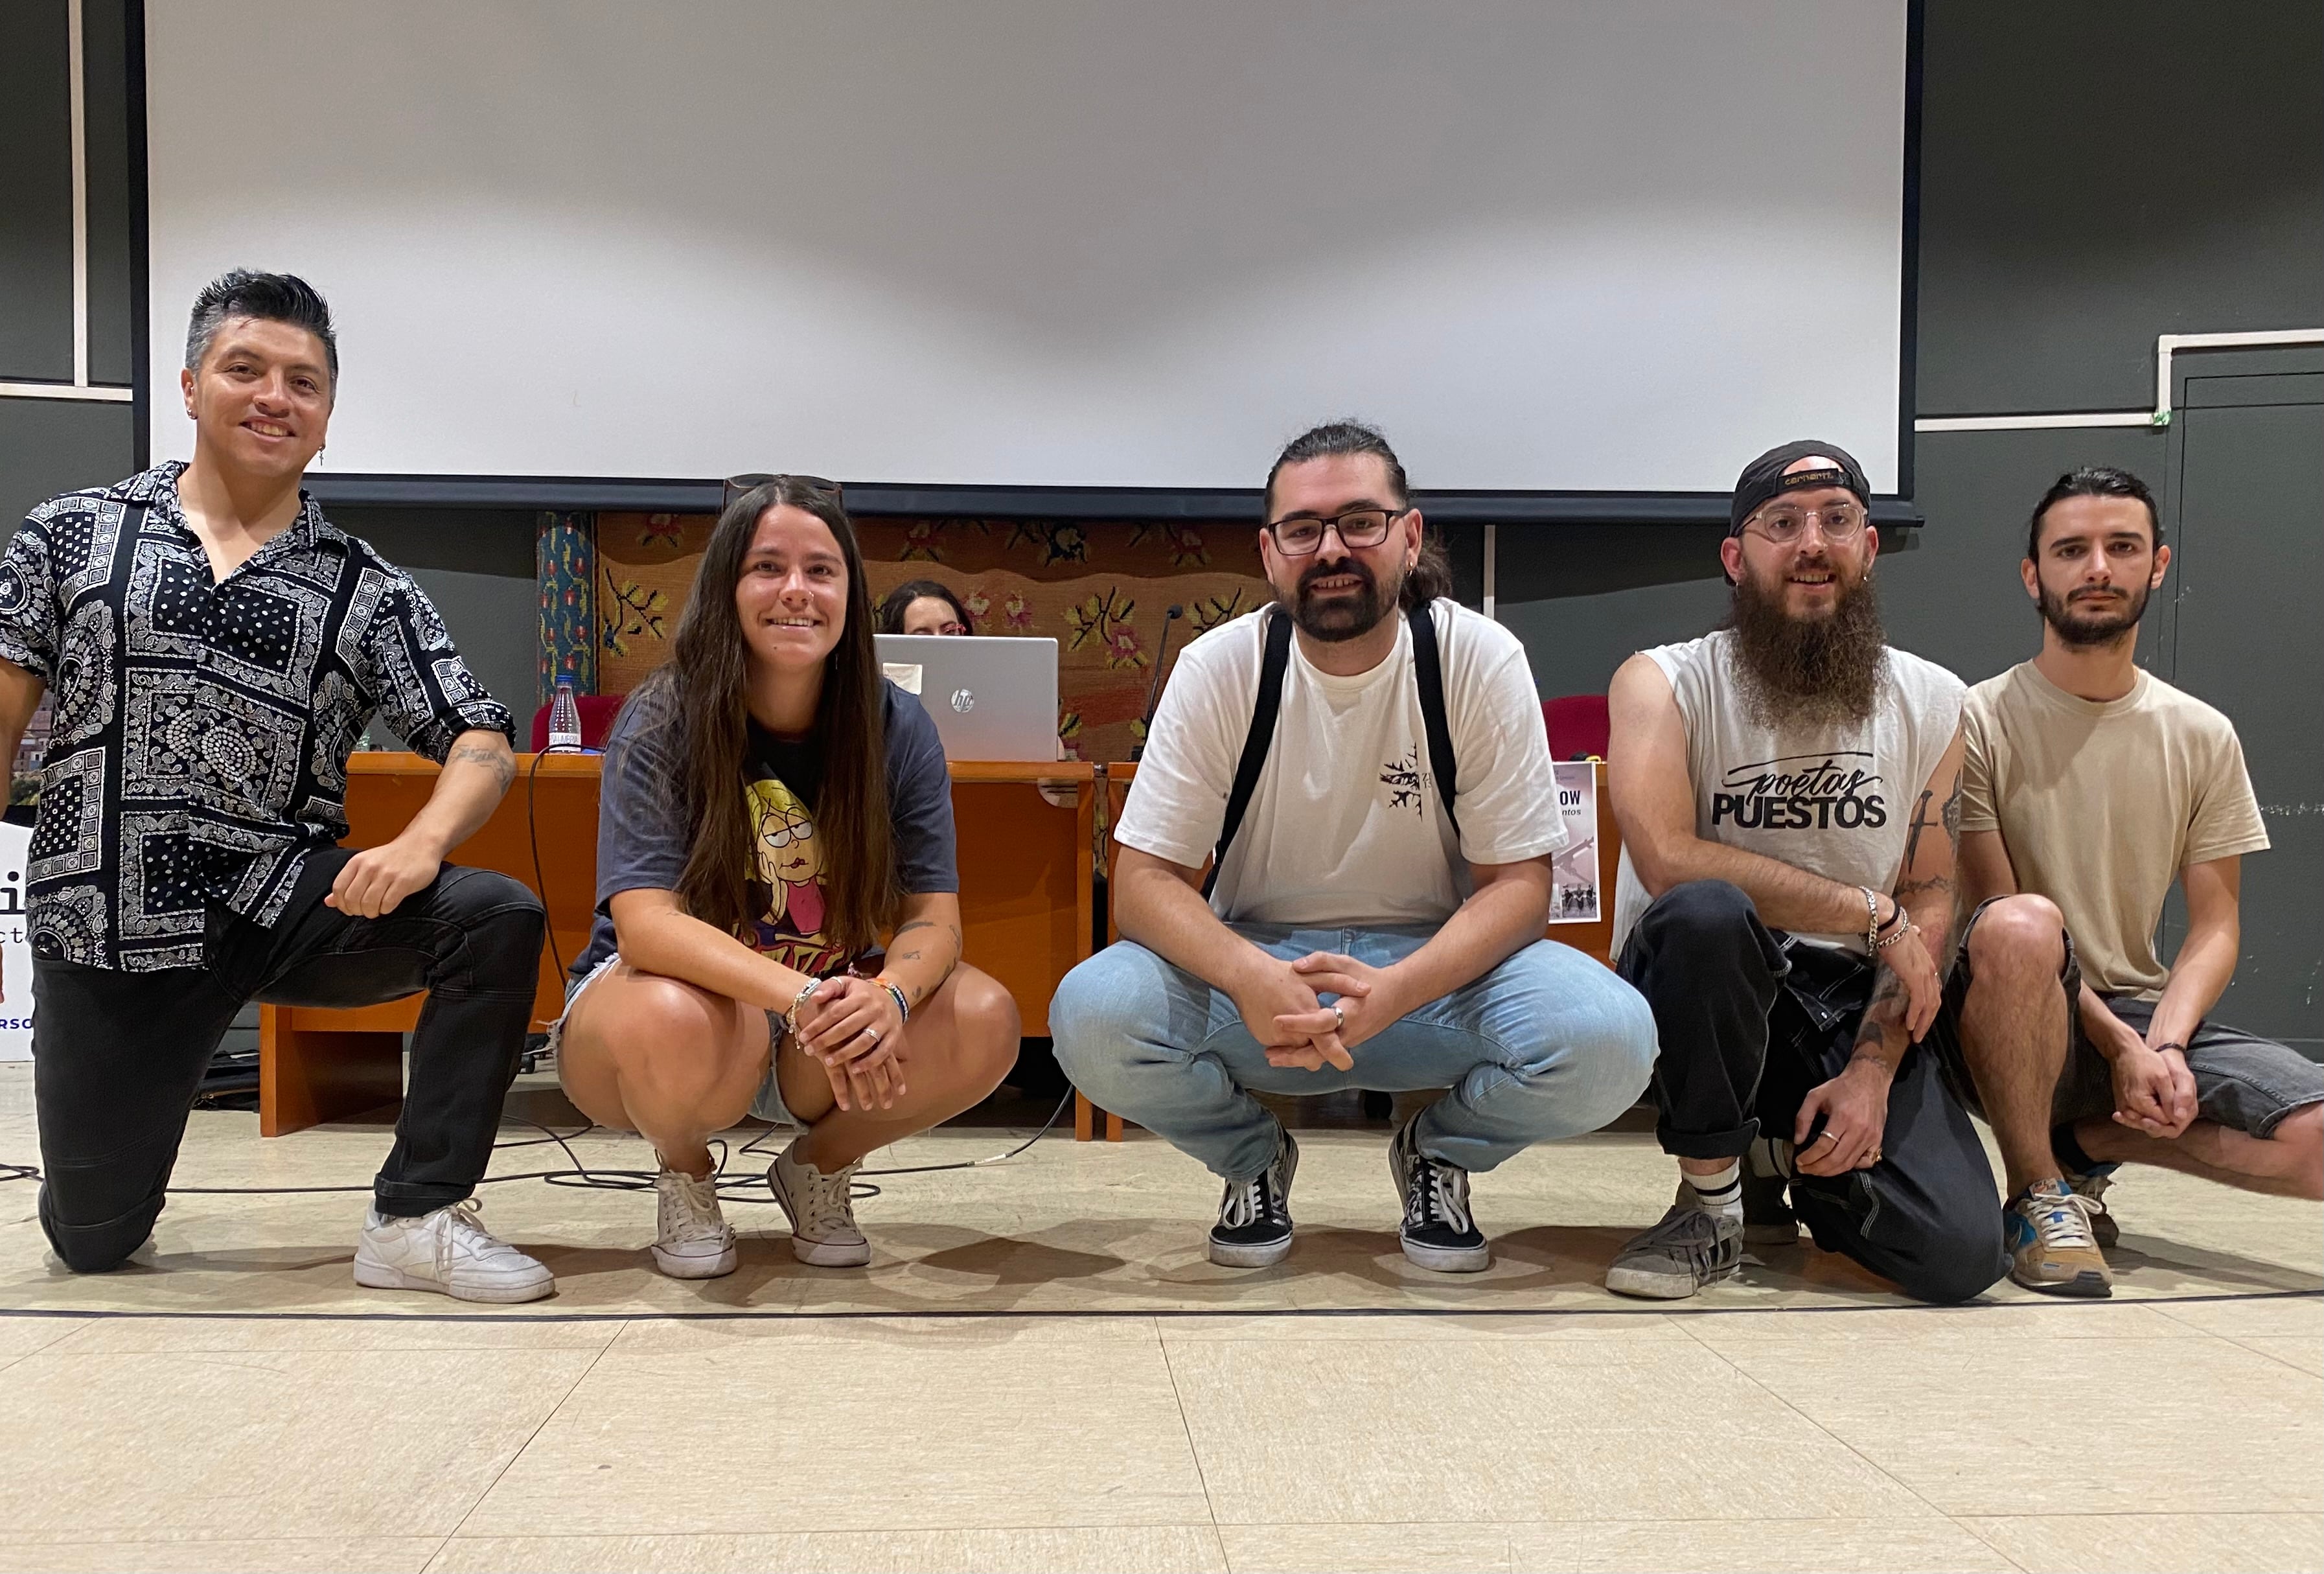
<point x="1750" y="1021"/>
<point x="117" y="1056"/>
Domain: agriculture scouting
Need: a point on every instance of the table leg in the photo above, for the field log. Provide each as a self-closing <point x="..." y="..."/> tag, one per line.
<point x="1084" y="1117"/>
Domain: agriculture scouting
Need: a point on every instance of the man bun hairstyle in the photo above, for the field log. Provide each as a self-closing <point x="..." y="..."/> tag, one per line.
<point x="265" y="298"/>
<point x="2092" y="481"/>
<point x="1432" y="575"/>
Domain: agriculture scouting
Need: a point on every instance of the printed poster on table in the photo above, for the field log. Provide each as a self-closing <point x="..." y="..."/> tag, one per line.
<point x="1573" y="868"/>
<point x="16" y="953"/>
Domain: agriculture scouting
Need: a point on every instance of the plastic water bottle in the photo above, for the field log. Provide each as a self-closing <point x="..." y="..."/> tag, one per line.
<point x="565" y="721"/>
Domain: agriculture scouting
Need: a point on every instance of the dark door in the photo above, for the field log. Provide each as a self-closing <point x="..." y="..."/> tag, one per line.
<point x="2244" y="630"/>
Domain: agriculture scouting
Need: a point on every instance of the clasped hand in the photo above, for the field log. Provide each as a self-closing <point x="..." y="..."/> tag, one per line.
<point x="851" y="1028"/>
<point x="1284" y="1010"/>
<point x="2153" y="1090"/>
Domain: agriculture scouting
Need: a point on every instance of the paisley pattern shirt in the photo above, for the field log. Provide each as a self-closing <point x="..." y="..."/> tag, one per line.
<point x="201" y="726"/>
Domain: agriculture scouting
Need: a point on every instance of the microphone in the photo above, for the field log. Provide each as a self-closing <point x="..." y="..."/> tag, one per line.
<point x="1154" y="690"/>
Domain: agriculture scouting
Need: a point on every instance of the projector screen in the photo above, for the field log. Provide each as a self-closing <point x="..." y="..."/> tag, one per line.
<point x="1581" y="247"/>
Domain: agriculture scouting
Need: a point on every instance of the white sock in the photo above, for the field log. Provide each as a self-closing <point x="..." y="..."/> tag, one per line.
<point x="1720" y="1193"/>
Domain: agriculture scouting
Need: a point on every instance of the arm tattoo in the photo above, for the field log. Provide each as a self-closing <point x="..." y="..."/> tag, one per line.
<point x="496" y="761"/>
<point x="1953" y="810"/>
<point x="1921" y="822"/>
<point x="1885" y="1011"/>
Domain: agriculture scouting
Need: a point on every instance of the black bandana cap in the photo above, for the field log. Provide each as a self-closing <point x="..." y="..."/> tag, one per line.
<point x="1763" y="478"/>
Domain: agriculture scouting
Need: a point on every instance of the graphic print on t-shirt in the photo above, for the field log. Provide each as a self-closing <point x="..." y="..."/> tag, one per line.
<point x="1406" y="780"/>
<point x="1830" y="789"/>
<point x="786" y="883"/>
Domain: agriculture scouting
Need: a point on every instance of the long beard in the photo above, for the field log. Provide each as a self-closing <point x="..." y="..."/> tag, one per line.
<point x="2087" y="631"/>
<point x="1816" y="672"/>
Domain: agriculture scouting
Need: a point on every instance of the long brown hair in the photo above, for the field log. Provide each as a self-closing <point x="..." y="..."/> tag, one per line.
<point x="707" y="687"/>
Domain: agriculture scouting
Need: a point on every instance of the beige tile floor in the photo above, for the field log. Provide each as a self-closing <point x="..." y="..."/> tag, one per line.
<point x="1040" y="1370"/>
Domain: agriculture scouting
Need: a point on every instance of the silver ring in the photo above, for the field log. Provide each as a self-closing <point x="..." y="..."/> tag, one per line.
<point x="873" y="1033"/>
<point x="1338" y="1020"/>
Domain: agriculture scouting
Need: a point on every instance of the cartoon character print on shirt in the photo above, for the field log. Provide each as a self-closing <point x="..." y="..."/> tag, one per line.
<point x="1831" y="790"/>
<point x="786" y="885"/>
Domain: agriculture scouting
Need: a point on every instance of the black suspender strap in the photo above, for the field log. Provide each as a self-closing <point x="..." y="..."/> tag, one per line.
<point x="1430" y="673"/>
<point x="1276" y="662"/>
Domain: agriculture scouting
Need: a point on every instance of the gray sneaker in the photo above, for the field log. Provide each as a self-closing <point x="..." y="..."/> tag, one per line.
<point x="1689" y="1249"/>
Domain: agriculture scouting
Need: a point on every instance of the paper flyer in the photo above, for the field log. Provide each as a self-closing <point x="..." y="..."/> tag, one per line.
<point x="1573" y="868"/>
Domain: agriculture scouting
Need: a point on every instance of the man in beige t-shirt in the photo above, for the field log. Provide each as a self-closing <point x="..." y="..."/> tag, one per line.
<point x="2088" y="787"/>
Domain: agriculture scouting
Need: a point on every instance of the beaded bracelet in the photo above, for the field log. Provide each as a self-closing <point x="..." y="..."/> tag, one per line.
<point x="903" y="1006"/>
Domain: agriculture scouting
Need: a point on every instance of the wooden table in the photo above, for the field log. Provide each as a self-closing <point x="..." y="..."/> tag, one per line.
<point x="1026" y="899"/>
<point x="1592" y="939"/>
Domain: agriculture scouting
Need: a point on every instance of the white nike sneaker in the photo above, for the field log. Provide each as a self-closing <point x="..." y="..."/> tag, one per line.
<point x="822" y="1211"/>
<point x="692" y="1239"/>
<point x="449" y="1252"/>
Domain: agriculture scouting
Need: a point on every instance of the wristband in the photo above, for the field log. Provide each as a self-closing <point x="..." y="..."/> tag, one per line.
<point x="2172" y="1044"/>
<point x="903" y="1006"/>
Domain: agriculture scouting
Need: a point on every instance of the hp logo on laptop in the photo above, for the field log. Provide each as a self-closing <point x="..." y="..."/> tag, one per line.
<point x="963" y="700"/>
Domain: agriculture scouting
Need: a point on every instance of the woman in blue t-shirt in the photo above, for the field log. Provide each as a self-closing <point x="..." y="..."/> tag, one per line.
<point x="771" y="806"/>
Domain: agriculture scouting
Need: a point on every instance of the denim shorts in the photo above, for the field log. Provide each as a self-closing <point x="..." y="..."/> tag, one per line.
<point x="2242" y="1081"/>
<point x="767" y="1104"/>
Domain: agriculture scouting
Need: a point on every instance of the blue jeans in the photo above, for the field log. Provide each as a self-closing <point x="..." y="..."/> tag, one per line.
<point x="1547" y="1044"/>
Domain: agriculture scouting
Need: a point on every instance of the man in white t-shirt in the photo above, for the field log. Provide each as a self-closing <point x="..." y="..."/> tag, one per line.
<point x="2090" y="787"/>
<point x="1788" y="788"/>
<point x="1380" y="817"/>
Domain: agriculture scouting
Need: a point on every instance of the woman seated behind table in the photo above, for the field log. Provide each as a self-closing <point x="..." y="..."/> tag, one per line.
<point x="771" y="805"/>
<point x="924" y="607"/>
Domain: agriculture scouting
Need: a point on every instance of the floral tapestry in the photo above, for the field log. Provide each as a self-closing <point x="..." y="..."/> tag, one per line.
<point x="1101" y="589"/>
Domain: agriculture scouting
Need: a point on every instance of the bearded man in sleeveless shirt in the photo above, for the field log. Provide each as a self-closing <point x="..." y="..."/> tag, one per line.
<point x="1789" y="792"/>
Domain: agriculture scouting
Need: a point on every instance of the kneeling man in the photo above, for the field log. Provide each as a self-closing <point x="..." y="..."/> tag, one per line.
<point x="215" y="646"/>
<point x="1787" y="788"/>
<point x="1365" y="767"/>
<point x="2089" y="785"/>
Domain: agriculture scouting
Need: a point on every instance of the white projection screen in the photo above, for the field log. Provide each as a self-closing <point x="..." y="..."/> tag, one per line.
<point x="1607" y="247"/>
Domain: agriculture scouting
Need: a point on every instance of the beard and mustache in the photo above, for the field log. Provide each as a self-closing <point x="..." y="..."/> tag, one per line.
<point x="1344" y="616"/>
<point x="2115" y="617"/>
<point x="1816" y="672"/>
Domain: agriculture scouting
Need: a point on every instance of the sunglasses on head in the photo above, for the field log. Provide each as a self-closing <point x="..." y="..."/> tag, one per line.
<point x="738" y="485"/>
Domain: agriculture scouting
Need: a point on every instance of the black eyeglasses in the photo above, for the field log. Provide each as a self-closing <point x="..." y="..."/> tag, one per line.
<point x="1358" y="527"/>
<point x="738" y="485"/>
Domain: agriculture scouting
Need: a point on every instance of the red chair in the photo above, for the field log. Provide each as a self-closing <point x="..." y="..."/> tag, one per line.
<point x="1577" y="724"/>
<point x="598" y="713"/>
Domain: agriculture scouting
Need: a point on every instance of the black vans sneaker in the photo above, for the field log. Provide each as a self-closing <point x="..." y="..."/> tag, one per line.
<point x="1438" y="1232"/>
<point x="1254" y="1227"/>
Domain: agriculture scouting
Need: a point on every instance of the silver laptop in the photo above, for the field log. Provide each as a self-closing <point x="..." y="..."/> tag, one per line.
<point x="994" y="697"/>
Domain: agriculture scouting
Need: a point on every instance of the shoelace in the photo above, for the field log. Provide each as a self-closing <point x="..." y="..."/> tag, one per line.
<point x="2063" y="1219"/>
<point x="697" y="1204"/>
<point x="829" y="1200"/>
<point x="1438" y="1194"/>
<point x="1694" y="1232"/>
<point x="463" y="1230"/>
<point x="1244" y="1202"/>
